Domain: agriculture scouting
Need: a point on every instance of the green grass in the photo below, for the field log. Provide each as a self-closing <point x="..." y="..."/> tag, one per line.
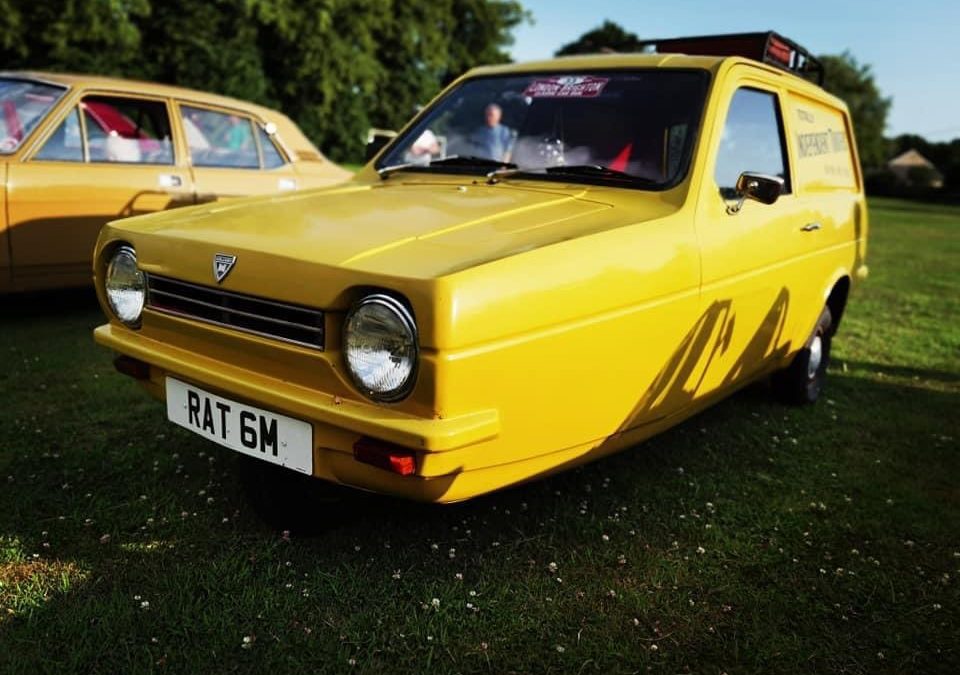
<point x="753" y="538"/>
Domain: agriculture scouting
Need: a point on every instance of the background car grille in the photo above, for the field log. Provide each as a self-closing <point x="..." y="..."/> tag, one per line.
<point x="291" y="323"/>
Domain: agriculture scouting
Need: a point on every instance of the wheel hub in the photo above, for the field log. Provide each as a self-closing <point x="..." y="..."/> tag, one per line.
<point x="816" y="356"/>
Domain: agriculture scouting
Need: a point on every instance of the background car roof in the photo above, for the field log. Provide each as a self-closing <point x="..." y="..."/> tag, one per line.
<point x="291" y="135"/>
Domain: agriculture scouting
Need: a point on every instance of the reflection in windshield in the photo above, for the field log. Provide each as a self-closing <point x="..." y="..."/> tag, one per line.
<point x="22" y="105"/>
<point x="619" y="124"/>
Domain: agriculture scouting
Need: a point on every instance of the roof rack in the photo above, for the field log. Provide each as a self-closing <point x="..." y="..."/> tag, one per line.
<point x="768" y="47"/>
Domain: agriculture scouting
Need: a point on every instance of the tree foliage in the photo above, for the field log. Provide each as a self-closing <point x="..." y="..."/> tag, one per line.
<point x="854" y="83"/>
<point x="610" y="36"/>
<point x="335" y="66"/>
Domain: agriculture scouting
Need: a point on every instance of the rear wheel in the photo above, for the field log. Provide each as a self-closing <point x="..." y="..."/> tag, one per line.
<point x="802" y="381"/>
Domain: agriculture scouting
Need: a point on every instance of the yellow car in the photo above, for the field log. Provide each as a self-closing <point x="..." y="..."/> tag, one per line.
<point x="552" y="262"/>
<point x="77" y="152"/>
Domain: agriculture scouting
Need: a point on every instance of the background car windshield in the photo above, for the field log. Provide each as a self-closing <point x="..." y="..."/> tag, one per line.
<point x="641" y="123"/>
<point x="22" y="105"/>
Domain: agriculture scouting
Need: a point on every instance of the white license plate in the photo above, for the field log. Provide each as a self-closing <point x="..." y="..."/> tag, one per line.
<point x="259" y="433"/>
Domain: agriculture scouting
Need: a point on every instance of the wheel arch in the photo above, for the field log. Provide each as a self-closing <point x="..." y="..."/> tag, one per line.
<point x="836" y="300"/>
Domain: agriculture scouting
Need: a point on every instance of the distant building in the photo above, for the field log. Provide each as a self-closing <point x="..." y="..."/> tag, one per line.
<point x="912" y="168"/>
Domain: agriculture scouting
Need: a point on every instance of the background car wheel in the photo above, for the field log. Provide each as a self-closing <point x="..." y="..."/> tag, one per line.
<point x="800" y="383"/>
<point x="286" y="500"/>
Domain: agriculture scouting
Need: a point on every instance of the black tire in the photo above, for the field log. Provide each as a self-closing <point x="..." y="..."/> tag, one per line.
<point x="801" y="382"/>
<point x="286" y="500"/>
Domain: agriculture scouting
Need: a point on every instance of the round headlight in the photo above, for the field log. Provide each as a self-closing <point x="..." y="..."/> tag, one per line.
<point x="125" y="286"/>
<point x="380" y="344"/>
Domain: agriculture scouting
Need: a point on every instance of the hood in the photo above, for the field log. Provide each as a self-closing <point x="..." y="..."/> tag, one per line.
<point x="416" y="229"/>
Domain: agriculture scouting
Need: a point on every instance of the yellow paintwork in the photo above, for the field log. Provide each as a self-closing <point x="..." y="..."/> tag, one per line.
<point x="558" y="322"/>
<point x="55" y="209"/>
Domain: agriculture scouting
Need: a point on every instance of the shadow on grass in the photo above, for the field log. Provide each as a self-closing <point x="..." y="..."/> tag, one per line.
<point x="47" y="304"/>
<point x="209" y="579"/>
<point x="907" y="372"/>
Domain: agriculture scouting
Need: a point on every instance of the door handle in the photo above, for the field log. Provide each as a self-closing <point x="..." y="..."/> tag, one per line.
<point x="810" y="227"/>
<point x="170" y="180"/>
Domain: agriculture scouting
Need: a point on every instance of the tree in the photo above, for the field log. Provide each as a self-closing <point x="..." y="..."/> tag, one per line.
<point x="854" y="83"/>
<point x="610" y="36"/>
<point x="335" y="66"/>
<point x="98" y="36"/>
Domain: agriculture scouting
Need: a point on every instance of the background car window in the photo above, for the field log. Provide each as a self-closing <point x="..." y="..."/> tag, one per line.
<point x="22" y="105"/>
<point x="271" y="156"/>
<point x="127" y="130"/>
<point x="752" y="140"/>
<point x="220" y="139"/>
<point x="65" y="145"/>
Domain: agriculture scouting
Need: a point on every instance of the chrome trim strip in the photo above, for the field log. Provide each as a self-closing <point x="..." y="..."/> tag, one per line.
<point x="317" y="314"/>
<point x="241" y="296"/>
<point x="278" y="338"/>
<point x="228" y="310"/>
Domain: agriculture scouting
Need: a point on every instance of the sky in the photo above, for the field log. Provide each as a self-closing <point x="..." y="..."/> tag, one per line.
<point x="913" y="46"/>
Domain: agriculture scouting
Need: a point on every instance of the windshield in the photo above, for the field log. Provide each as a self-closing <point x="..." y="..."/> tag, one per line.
<point x="22" y="105"/>
<point x="634" y="126"/>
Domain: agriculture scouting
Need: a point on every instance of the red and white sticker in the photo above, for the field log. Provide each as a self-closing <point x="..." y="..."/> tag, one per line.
<point x="567" y="86"/>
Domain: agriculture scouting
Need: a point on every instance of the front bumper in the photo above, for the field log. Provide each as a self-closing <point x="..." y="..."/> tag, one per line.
<point x="337" y="423"/>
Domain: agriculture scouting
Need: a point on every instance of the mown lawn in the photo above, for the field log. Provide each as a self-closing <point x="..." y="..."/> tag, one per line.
<point x="753" y="538"/>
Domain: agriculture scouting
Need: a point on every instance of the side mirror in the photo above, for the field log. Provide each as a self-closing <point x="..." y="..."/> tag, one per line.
<point x="760" y="187"/>
<point x="376" y="140"/>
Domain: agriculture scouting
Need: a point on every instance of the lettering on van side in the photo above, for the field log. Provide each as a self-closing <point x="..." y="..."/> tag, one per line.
<point x="821" y="143"/>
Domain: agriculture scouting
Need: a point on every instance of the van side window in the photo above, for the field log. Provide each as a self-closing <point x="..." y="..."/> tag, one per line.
<point x="127" y="130"/>
<point x="66" y="144"/>
<point x="220" y="139"/>
<point x="752" y="140"/>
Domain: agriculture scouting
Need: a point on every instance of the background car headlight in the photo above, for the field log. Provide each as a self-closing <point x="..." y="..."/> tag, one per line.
<point x="380" y="344"/>
<point x="125" y="286"/>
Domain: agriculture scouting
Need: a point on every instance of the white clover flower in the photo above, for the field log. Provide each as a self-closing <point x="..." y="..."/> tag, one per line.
<point x="560" y="649"/>
<point x="552" y="567"/>
<point x="701" y="550"/>
<point x="436" y="603"/>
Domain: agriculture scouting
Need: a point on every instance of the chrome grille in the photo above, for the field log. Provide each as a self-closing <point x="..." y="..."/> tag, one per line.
<point x="247" y="313"/>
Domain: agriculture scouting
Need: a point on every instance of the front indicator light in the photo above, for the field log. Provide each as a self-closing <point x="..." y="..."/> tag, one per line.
<point x="380" y="454"/>
<point x="125" y="286"/>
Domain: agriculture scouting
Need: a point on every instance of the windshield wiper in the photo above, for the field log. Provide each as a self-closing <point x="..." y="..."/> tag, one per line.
<point x="473" y="160"/>
<point x="452" y="160"/>
<point x="597" y="170"/>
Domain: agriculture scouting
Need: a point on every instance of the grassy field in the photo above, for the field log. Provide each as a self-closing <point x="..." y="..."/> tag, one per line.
<point x="753" y="538"/>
